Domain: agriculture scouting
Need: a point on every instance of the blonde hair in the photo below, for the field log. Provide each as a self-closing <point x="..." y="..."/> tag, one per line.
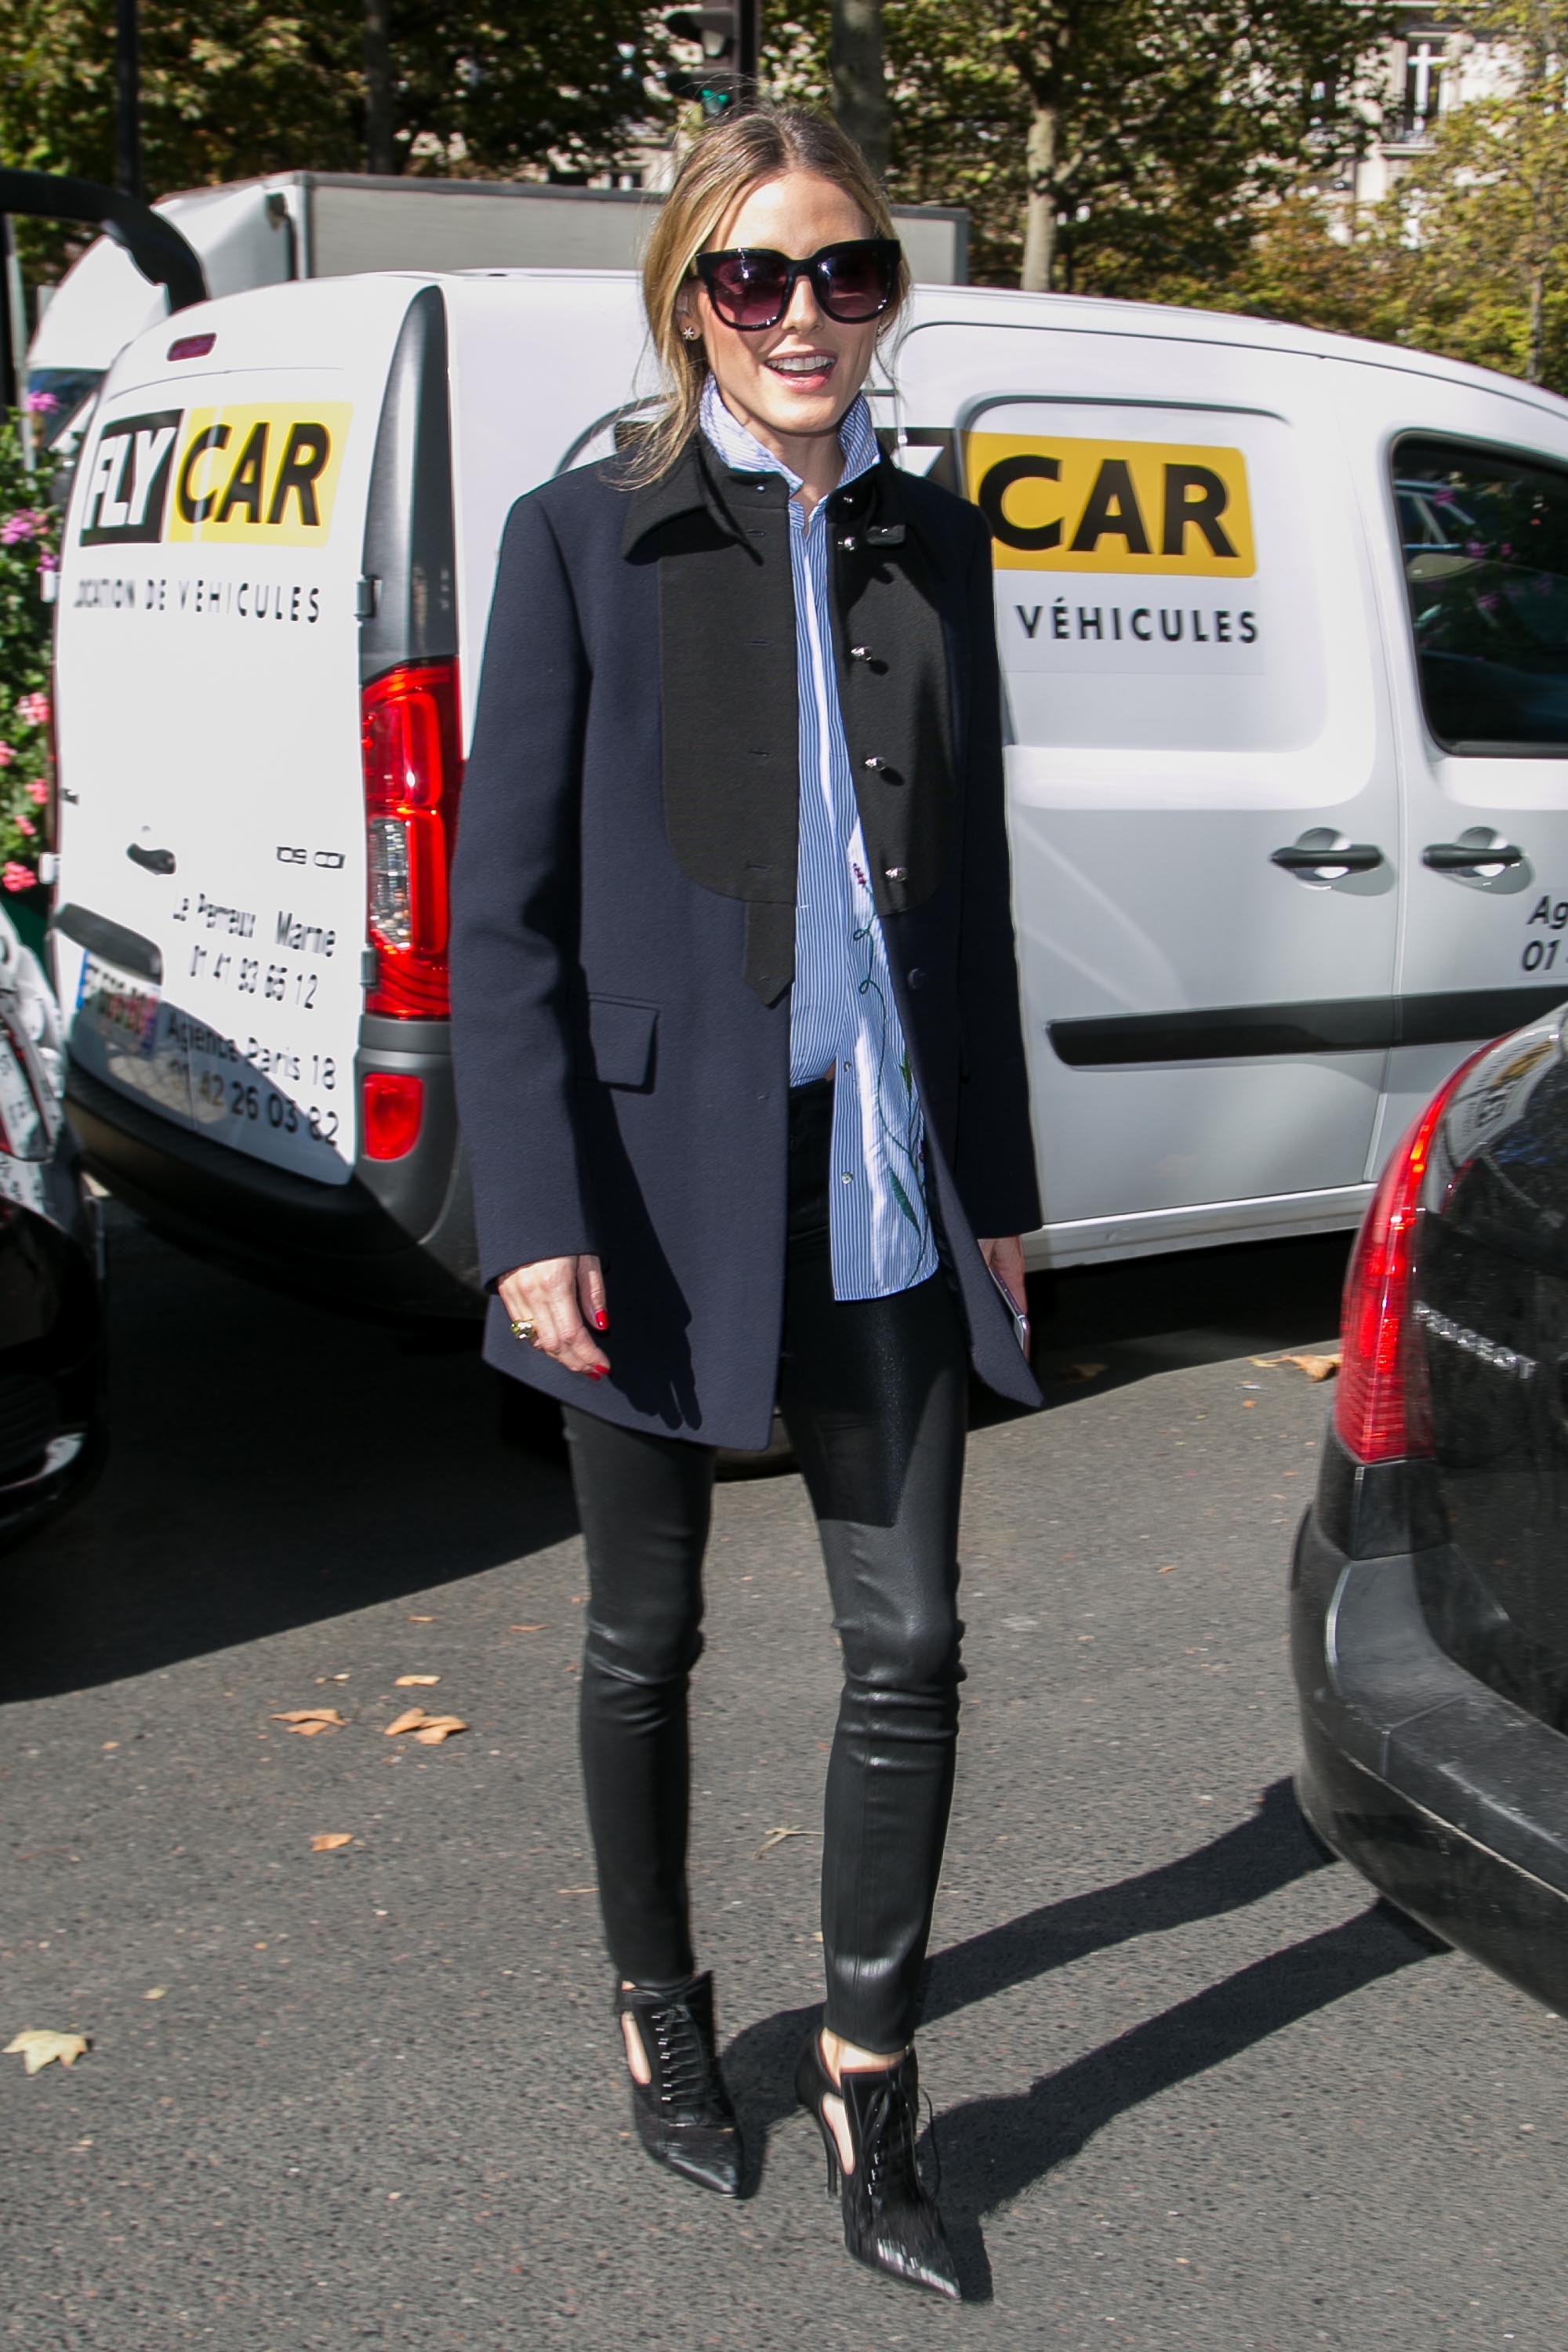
<point x="737" y="154"/>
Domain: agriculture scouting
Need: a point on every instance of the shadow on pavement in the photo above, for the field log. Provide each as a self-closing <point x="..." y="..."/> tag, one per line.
<point x="991" y="2149"/>
<point x="271" y="1463"/>
<point x="1142" y="1316"/>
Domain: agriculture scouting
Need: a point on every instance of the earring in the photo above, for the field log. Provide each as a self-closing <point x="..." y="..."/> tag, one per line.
<point x="689" y="333"/>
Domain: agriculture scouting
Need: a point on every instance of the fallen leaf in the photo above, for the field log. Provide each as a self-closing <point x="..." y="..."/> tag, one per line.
<point x="1317" y="1368"/>
<point x="307" y="1721"/>
<point x="1080" y="1373"/>
<point x="37" y="2048"/>
<point x="437" y="1727"/>
<point x="422" y="1620"/>
<point x="158" y="1992"/>
<point x="1169" y="1569"/>
<point x="777" y="1837"/>
<point x="409" y="1722"/>
<point x="330" y="1841"/>
<point x="413" y="1681"/>
<point x="525" y="1629"/>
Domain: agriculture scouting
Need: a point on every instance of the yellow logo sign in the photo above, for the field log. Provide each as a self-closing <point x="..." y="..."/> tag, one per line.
<point x="266" y="476"/>
<point x="1112" y="506"/>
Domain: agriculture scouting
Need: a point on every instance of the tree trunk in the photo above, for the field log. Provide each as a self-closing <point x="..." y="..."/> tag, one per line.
<point x="1537" y="360"/>
<point x="380" y="146"/>
<point x="1040" y="210"/>
<point x="861" y="78"/>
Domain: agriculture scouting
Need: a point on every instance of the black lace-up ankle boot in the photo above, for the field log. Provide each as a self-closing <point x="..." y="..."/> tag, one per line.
<point x="890" y="2223"/>
<point x="683" y="2116"/>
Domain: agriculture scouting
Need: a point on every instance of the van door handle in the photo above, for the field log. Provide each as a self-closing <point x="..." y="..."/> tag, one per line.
<point x="1468" y="856"/>
<point x="155" y="861"/>
<point x="1312" y="857"/>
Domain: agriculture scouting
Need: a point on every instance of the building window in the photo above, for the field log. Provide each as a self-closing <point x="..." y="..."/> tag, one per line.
<point x="1423" y="88"/>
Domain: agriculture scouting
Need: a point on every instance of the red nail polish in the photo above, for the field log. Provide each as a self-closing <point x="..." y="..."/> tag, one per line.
<point x="595" y="1372"/>
<point x="603" y="1320"/>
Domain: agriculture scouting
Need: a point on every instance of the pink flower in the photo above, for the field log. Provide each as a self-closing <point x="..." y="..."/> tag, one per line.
<point x="6" y="755"/>
<point x="41" y="404"/>
<point x="24" y="524"/>
<point x="15" y="877"/>
<point x="47" y="562"/>
<point x="38" y="793"/>
<point x="34" y="710"/>
<point x="25" y="824"/>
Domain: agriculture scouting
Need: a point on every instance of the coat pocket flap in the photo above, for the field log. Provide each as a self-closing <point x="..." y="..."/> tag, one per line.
<point x="622" y="1032"/>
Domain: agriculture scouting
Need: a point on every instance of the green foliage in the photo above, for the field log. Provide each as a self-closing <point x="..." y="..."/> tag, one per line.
<point x="29" y="542"/>
<point x="1467" y="254"/>
<point x="231" y="88"/>
<point x="1156" y="132"/>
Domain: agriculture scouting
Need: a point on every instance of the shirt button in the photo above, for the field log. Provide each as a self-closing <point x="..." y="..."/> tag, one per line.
<point x="897" y="873"/>
<point x="848" y="1177"/>
<point x="848" y="1069"/>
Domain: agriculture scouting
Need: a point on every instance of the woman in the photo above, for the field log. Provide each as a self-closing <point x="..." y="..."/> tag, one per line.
<point x="740" y="1067"/>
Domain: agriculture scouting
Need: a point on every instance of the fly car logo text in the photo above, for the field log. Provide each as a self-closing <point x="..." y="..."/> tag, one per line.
<point x="1124" y="507"/>
<point x="245" y="475"/>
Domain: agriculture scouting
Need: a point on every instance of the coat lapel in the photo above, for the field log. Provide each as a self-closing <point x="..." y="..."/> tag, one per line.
<point x="895" y="689"/>
<point x="730" y="697"/>
<point x="729" y="703"/>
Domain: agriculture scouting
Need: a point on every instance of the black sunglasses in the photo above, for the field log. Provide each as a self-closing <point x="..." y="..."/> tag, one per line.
<point x="751" y="287"/>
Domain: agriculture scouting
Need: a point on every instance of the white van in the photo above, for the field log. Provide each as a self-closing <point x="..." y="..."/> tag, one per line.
<point x="1283" y="619"/>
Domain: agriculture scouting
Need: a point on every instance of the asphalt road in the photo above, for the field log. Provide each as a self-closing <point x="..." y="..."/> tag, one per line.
<point x="1191" y="2088"/>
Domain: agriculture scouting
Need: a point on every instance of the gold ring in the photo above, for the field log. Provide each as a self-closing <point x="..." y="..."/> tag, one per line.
<point x="529" y="1331"/>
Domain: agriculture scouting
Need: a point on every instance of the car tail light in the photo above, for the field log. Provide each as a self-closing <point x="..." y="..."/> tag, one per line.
<point x="412" y="770"/>
<point x="1381" y="1408"/>
<point x="391" y="1111"/>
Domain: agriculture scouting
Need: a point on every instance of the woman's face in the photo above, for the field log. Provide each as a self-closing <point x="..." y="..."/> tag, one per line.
<point x="794" y="380"/>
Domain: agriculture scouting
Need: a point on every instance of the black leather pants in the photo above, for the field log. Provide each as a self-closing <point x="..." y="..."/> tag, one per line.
<point x="874" y="1394"/>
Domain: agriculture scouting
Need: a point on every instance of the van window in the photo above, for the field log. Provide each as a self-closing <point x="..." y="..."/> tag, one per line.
<point x="1154" y="572"/>
<point x="1484" y="539"/>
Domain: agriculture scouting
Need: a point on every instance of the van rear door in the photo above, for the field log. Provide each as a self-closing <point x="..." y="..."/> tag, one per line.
<point x="211" y="924"/>
<point x="1465" y="492"/>
<point x="1202" y="785"/>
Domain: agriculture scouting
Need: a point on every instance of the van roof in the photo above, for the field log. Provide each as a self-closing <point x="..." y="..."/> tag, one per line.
<point x="983" y="306"/>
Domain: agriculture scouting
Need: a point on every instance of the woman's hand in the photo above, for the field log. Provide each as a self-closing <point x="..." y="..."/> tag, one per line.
<point x="564" y="1298"/>
<point x="1006" y="1259"/>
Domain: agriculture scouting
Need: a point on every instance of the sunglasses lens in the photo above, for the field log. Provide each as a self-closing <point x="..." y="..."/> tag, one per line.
<point x="746" y="291"/>
<point x="854" y="282"/>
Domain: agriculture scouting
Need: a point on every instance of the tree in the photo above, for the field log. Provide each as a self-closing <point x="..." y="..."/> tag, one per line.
<point x="236" y="86"/>
<point x="1109" y="145"/>
<point x="1485" y="216"/>
<point x="1469" y="253"/>
<point x="859" y="71"/>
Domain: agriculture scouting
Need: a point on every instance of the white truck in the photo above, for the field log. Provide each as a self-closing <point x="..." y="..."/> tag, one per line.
<point x="1284" y="623"/>
<point x="287" y="225"/>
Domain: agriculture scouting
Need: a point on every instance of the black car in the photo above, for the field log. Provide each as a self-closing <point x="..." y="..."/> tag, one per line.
<point x="1429" y="1585"/>
<point x="52" y="1425"/>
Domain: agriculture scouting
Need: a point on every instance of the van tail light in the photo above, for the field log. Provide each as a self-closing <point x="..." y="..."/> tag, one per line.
<point x="413" y="772"/>
<point x="391" y="1111"/>
<point x="1381" y="1406"/>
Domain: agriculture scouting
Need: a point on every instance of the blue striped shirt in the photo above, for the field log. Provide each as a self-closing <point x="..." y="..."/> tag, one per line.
<point x="842" y="1014"/>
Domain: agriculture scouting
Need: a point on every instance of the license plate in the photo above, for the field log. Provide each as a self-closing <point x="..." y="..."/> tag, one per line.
<point x="122" y="1011"/>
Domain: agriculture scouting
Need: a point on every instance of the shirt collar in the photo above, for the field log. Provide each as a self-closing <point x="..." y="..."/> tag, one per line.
<point x="742" y="450"/>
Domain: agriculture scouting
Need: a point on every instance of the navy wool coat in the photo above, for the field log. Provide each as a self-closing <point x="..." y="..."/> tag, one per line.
<point x="624" y="911"/>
